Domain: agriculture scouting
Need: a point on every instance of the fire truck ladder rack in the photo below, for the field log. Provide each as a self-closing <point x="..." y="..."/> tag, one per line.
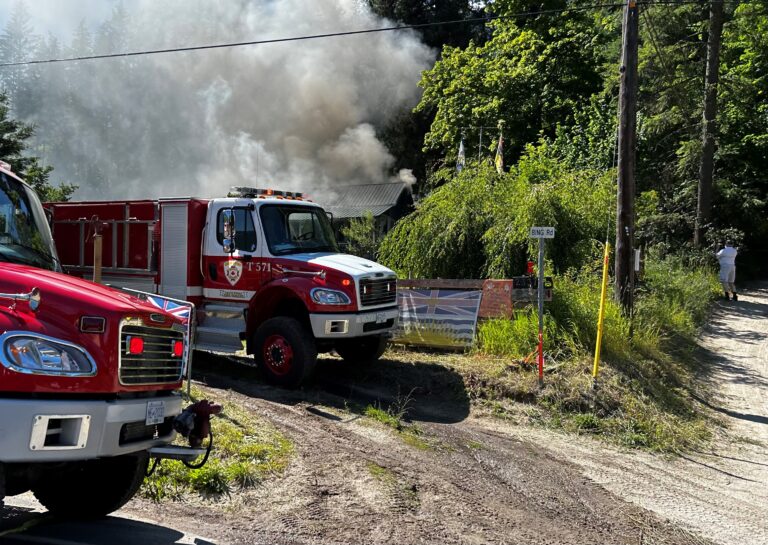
<point x="111" y="226"/>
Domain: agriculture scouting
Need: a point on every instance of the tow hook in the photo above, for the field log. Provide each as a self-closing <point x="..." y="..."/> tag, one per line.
<point x="194" y="423"/>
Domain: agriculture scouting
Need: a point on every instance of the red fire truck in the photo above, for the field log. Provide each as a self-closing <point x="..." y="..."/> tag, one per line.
<point x="89" y="375"/>
<point x="262" y="267"/>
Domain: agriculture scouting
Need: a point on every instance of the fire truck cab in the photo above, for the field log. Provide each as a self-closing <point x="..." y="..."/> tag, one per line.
<point x="262" y="266"/>
<point x="89" y="375"/>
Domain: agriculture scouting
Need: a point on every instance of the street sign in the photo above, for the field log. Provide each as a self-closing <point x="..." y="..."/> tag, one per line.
<point x="542" y="232"/>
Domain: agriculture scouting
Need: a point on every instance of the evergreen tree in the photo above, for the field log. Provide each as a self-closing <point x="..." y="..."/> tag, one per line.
<point x="18" y="43"/>
<point x="14" y="136"/>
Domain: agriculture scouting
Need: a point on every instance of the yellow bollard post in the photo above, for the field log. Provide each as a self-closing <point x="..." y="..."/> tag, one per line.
<point x="601" y="314"/>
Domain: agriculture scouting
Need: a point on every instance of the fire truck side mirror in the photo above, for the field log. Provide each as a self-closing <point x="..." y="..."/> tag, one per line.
<point x="228" y="218"/>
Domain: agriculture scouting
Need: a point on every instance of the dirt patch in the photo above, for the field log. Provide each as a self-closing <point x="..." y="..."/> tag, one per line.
<point x="355" y="480"/>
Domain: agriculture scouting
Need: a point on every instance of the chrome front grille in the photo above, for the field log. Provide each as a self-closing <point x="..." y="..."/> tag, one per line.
<point x="378" y="291"/>
<point x="156" y="364"/>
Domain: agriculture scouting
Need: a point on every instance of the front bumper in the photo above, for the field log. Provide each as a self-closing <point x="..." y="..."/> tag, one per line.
<point x="34" y="430"/>
<point x="348" y="325"/>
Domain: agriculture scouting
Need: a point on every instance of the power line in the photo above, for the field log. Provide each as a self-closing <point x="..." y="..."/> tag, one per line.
<point x="474" y="20"/>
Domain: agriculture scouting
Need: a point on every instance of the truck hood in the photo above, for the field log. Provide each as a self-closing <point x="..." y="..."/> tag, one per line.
<point x="56" y="287"/>
<point x="345" y="263"/>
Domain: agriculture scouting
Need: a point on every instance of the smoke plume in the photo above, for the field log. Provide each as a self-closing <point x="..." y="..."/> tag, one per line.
<point x="294" y="115"/>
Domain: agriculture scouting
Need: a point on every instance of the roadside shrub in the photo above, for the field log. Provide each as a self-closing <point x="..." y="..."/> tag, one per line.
<point x="477" y="224"/>
<point x="674" y="297"/>
<point x="443" y="237"/>
<point x="361" y="236"/>
<point x="518" y="338"/>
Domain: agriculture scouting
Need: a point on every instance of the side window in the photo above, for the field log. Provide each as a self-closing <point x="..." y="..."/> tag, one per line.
<point x="245" y="232"/>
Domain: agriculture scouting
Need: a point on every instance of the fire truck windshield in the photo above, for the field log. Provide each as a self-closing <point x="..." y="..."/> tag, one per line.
<point x="24" y="234"/>
<point x="297" y="229"/>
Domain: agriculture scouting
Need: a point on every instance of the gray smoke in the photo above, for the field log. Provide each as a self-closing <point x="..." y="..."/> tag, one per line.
<point x="295" y="115"/>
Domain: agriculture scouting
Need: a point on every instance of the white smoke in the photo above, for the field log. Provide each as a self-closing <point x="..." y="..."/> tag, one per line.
<point x="296" y="115"/>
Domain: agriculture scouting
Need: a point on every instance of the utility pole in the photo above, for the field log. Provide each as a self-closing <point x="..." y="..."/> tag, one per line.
<point x="709" y="122"/>
<point x="625" y="202"/>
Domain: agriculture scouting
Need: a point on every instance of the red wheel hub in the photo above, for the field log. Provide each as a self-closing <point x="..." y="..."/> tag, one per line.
<point x="278" y="354"/>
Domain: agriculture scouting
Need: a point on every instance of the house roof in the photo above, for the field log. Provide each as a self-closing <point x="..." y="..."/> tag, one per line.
<point x="354" y="200"/>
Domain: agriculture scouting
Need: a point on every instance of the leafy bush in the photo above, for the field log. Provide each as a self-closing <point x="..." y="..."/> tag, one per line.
<point x="674" y="297"/>
<point x="477" y="224"/>
<point x="443" y="237"/>
<point x="361" y="236"/>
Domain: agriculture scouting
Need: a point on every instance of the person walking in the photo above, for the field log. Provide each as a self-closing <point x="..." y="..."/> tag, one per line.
<point x="727" y="259"/>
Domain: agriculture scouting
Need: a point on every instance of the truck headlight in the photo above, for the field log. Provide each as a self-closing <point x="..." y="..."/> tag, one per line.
<point x="32" y="353"/>
<point x="323" y="296"/>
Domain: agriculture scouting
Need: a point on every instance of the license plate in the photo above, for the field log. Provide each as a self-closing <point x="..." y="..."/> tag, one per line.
<point x="155" y="413"/>
<point x="381" y="317"/>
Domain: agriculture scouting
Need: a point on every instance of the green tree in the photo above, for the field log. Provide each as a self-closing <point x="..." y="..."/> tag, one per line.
<point x="13" y="145"/>
<point x="361" y="236"/>
<point x="415" y="12"/>
<point x="18" y="43"/>
<point x="533" y="74"/>
<point x="741" y="186"/>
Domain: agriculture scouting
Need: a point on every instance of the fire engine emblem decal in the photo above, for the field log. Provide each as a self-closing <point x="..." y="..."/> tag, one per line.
<point x="233" y="270"/>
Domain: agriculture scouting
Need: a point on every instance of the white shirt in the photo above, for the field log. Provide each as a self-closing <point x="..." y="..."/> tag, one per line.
<point x="727" y="256"/>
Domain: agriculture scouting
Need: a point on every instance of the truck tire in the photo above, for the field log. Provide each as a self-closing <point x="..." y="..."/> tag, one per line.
<point x="285" y="351"/>
<point x="91" y="489"/>
<point x="363" y="350"/>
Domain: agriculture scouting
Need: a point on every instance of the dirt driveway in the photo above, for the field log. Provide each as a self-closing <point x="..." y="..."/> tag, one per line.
<point x="469" y="479"/>
<point x="465" y="481"/>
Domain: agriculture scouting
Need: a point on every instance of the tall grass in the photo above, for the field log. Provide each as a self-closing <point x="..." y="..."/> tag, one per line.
<point x="674" y="298"/>
<point x="644" y="396"/>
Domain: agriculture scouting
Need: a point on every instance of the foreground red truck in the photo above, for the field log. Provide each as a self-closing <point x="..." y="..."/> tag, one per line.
<point x="262" y="267"/>
<point x="89" y="375"/>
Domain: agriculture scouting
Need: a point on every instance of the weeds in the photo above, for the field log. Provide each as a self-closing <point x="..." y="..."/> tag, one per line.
<point x="384" y="417"/>
<point x="647" y="381"/>
<point x="392" y="417"/>
<point x="246" y="451"/>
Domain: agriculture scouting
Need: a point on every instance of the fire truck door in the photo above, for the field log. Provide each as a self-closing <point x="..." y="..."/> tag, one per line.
<point x="231" y="276"/>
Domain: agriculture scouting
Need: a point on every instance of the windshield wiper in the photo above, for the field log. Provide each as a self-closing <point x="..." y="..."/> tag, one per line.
<point x="37" y="251"/>
<point x="8" y="258"/>
<point x="325" y="248"/>
<point x="286" y="251"/>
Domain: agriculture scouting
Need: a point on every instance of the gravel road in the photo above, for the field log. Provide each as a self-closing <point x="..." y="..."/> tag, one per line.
<point x="721" y="493"/>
